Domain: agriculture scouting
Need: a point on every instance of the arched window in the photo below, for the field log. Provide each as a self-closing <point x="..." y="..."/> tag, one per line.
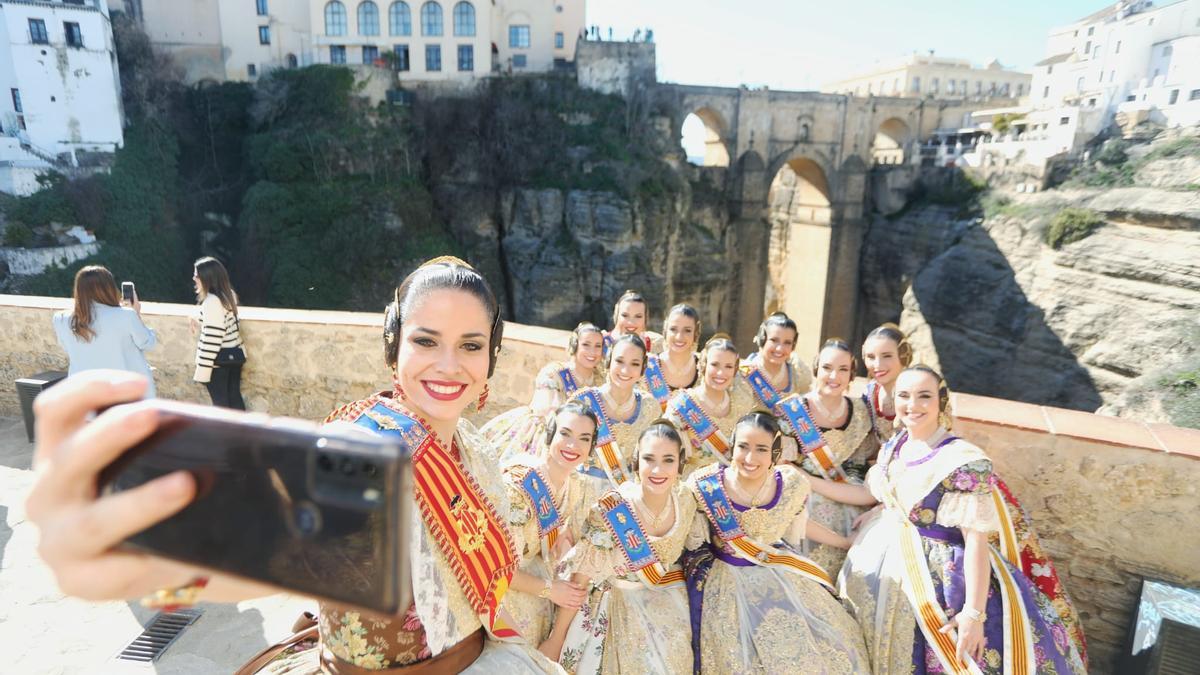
<point x="431" y="18"/>
<point x="292" y="61"/>
<point x="399" y="19"/>
<point x="368" y="18"/>
<point x="464" y="19"/>
<point x="335" y="18"/>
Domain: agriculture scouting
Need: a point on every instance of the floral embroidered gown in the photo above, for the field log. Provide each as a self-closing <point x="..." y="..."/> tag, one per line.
<point x="441" y="616"/>
<point x="626" y="627"/>
<point x="765" y="619"/>
<point x="853" y="446"/>
<point x="534" y="616"/>
<point x="952" y="489"/>
<point x="520" y="431"/>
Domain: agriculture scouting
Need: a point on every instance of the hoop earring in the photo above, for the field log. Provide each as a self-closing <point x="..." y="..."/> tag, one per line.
<point x="483" y="397"/>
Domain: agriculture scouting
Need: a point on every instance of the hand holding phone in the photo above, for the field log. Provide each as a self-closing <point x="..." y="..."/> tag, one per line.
<point x="128" y="292"/>
<point x="278" y="501"/>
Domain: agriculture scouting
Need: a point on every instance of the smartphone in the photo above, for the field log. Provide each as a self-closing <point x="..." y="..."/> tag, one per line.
<point x="310" y="510"/>
<point x="127" y="291"/>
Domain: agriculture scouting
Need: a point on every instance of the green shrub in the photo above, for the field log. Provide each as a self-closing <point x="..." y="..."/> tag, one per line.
<point x="1113" y="153"/>
<point x="1180" y="147"/>
<point x="1071" y="225"/>
<point x="18" y="234"/>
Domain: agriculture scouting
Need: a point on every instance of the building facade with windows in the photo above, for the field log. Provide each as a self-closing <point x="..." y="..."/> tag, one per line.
<point x="222" y="40"/>
<point x="929" y="76"/>
<point x="446" y="40"/>
<point x="60" y="91"/>
<point x="1136" y="58"/>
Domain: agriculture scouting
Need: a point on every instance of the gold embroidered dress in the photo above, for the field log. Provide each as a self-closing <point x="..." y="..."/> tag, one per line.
<point x="767" y="619"/>
<point x="625" y="431"/>
<point x="534" y="616"/>
<point x="699" y="453"/>
<point x="947" y="487"/>
<point x="520" y="431"/>
<point x="852" y="446"/>
<point x="627" y="627"/>
<point x="441" y="615"/>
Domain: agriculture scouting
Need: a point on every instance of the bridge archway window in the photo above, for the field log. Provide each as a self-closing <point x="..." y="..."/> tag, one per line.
<point x="800" y="216"/>
<point x="703" y="139"/>
<point x="891" y="140"/>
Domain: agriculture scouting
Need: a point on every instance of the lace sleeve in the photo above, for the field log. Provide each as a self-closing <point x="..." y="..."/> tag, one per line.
<point x="967" y="502"/>
<point x="594" y="555"/>
<point x="521" y="523"/>
<point x="547" y="378"/>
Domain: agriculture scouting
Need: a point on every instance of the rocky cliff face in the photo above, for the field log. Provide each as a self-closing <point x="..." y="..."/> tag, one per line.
<point x="1109" y="320"/>
<point x="564" y="254"/>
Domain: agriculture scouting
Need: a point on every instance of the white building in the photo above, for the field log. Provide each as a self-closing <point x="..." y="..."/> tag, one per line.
<point x="1129" y="62"/>
<point x="447" y="40"/>
<point x="60" y="94"/>
<point x="929" y="76"/>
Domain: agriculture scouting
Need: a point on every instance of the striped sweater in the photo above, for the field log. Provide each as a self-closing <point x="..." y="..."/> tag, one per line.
<point x="218" y="329"/>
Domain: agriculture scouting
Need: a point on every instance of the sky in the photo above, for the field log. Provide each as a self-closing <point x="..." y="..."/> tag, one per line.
<point x="801" y="44"/>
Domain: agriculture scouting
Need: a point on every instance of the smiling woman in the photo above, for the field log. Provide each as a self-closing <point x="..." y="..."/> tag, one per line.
<point x="441" y="338"/>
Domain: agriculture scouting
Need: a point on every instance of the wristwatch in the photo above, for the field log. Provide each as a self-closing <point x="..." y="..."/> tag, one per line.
<point x="545" y="592"/>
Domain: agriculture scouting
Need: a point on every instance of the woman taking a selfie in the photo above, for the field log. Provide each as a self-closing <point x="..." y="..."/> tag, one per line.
<point x="441" y="338"/>
<point x="220" y="353"/>
<point x="101" y="331"/>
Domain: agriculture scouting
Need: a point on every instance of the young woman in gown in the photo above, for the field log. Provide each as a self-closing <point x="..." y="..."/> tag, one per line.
<point x="623" y="409"/>
<point x="885" y="353"/>
<point x="758" y="606"/>
<point x="630" y="317"/>
<point x="441" y="338"/>
<point x="775" y="372"/>
<point x="707" y="412"/>
<point x="636" y="621"/>
<point x="518" y="431"/>
<point x="549" y="502"/>
<point x="674" y="367"/>
<point x="847" y="445"/>
<point x="948" y="576"/>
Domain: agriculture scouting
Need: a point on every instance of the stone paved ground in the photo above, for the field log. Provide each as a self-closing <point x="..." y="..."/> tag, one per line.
<point x="43" y="632"/>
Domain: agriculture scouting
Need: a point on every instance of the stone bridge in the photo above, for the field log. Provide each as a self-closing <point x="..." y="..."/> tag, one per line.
<point x="801" y="169"/>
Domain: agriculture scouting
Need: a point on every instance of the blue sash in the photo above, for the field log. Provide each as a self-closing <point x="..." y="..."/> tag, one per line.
<point x="543" y="502"/>
<point x="568" y="380"/>
<point x="762" y="387"/>
<point x="628" y="532"/>
<point x="608" y="342"/>
<point x="705" y="431"/>
<point x="607" y="452"/>
<point x="717" y="507"/>
<point x="869" y="399"/>
<point x="603" y="432"/>
<point x="806" y="432"/>
<point x="656" y="381"/>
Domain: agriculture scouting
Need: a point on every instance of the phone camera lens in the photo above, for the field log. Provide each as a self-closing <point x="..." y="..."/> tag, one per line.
<point x="324" y="463"/>
<point x="370" y="469"/>
<point x="347" y="467"/>
<point x="307" y="518"/>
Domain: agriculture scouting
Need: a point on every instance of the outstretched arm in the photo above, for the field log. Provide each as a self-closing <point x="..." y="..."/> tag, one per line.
<point x="553" y="645"/>
<point x="845" y="493"/>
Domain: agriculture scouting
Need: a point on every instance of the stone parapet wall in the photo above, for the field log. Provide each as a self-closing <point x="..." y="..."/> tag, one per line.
<point x="1113" y="499"/>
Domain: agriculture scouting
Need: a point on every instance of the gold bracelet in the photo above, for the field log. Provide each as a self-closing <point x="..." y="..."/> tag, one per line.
<point x="545" y="592"/>
<point x="171" y="599"/>
<point x="973" y="614"/>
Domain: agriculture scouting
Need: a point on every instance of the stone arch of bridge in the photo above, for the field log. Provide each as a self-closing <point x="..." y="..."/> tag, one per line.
<point x="891" y="141"/>
<point x="800" y="216"/>
<point x="716" y="143"/>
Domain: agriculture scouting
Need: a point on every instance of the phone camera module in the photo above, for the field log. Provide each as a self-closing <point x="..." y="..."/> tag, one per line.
<point x="325" y="463"/>
<point x="370" y="470"/>
<point x="348" y="467"/>
<point x="307" y="519"/>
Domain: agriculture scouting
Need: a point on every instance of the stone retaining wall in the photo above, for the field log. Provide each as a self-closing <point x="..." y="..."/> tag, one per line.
<point x="1115" y="500"/>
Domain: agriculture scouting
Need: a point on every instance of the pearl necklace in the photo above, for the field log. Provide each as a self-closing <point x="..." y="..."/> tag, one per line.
<point x="829" y="416"/>
<point x="654" y="520"/>
<point x="669" y="368"/>
<point x="619" y="412"/>
<point x="754" y="503"/>
<point x="712" y="407"/>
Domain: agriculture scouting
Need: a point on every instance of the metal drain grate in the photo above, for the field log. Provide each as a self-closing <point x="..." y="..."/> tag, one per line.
<point x="158" y="635"/>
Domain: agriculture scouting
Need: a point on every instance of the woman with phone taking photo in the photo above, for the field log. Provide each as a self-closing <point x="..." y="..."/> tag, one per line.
<point x="220" y="353"/>
<point x="441" y="339"/>
<point x="103" y="330"/>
